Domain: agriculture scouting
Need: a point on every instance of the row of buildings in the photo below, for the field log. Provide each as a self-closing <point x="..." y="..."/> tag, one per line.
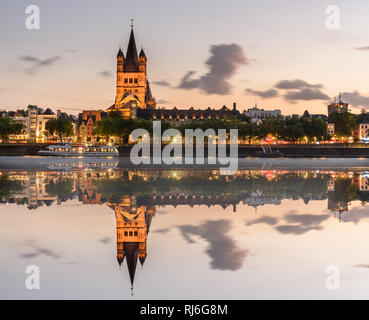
<point x="34" y="121"/>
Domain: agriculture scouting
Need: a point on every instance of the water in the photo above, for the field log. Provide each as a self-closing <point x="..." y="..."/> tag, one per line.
<point x="262" y="233"/>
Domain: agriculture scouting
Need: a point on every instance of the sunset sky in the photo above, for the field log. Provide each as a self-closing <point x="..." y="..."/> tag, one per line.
<point x="200" y="53"/>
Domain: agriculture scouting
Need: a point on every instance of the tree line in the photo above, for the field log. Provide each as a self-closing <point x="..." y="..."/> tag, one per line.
<point x="292" y="129"/>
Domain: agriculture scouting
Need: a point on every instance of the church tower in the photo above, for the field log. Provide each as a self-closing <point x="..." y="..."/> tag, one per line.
<point x="132" y="86"/>
<point x="132" y="224"/>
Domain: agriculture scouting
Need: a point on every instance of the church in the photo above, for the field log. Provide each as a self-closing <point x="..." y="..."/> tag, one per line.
<point x="132" y="85"/>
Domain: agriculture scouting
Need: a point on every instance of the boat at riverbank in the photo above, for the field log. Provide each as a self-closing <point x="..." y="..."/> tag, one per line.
<point x="84" y="151"/>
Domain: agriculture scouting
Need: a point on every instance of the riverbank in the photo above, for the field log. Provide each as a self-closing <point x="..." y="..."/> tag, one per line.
<point x="264" y="151"/>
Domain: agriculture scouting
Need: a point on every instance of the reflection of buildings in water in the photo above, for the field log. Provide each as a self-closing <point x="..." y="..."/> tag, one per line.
<point x="330" y="185"/>
<point x="337" y="207"/>
<point x="34" y="183"/>
<point x="189" y="199"/>
<point x="257" y="199"/>
<point x="34" y="193"/>
<point x="134" y="213"/>
<point x="363" y="182"/>
<point x="132" y="226"/>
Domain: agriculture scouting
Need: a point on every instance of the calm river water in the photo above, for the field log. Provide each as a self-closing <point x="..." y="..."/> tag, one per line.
<point x="113" y="233"/>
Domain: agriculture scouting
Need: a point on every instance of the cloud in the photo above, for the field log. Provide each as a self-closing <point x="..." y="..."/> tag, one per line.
<point x="294" y="90"/>
<point x="223" y="251"/>
<point x="296" y="229"/>
<point x="105" y="73"/>
<point x="301" y="223"/>
<point x="163" y="230"/>
<point x="105" y="240"/>
<point x="356" y="215"/>
<point x="223" y="63"/>
<point x="263" y="94"/>
<point x="162" y="101"/>
<point x="305" y="95"/>
<point x="36" y="63"/>
<point x="162" y="83"/>
<point x="306" y="219"/>
<point x="355" y="99"/>
<point x="296" y="84"/>
<point x="268" y="220"/>
<point x="362" y="48"/>
<point x="38" y="251"/>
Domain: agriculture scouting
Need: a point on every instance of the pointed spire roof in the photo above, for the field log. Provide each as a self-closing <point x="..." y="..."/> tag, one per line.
<point x="131" y="61"/>
<point x="131" y="252"/>
<point x="148" y="95"/>
<point x="142" y="260"/>
<point x="120" y="53"/>
<point x="120" y="260"/>
<point x="142" y="53"/>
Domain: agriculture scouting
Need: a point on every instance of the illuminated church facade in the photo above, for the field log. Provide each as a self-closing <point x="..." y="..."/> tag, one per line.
<point x="132" y="226"/>
<point x="132" y="85"/>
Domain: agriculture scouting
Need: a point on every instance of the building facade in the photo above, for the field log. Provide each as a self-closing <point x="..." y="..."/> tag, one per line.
<point x="363" y="131"/>
<point x="337" y="106"/>
<point x="132" y="85"/>
<point x="183" y="115"/>
<point x="87" y="122"/>
<point x="330" y="129"/>
<point x="256" y="113"/>
<point x="36" y="123"/>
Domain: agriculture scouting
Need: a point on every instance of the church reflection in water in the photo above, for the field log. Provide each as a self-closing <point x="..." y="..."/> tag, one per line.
<point x="134" y="195"/>
<point x="133" y="225"/>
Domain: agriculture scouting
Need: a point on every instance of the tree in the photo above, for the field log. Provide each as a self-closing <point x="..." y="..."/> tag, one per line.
<point x="104" y="128"/>
<point x="363" y="117"/>
<point x="9" y="126"/>
<point x="344" y="123"/>
<point x="61" y="127"/>
<point x="248" y="131"/>
<point x="120" y="127"/>
<point x="314" y="129"/>
<point x="294" y="129"/>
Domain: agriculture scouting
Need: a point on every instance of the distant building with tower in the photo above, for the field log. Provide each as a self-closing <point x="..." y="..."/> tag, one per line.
<point x="337" y="106"/>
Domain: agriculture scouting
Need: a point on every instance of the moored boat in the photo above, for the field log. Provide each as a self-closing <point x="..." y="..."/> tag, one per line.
<point x="70" y="150"/>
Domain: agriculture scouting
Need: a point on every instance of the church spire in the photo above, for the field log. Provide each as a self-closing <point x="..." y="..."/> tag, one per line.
<point x="131" y="251"/>
<point x="131" y="62"/>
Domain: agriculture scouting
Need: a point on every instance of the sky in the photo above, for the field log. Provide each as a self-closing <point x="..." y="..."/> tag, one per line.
<point x="277" y="54"/>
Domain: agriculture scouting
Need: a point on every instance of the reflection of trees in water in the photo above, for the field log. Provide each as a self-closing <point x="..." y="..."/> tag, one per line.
<point x="289" y="185"/>
<point x="307" y="185"/>
<point x="62" y="188"/>
<point x="344" y="191"/>
<point x="9" y="187"/>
